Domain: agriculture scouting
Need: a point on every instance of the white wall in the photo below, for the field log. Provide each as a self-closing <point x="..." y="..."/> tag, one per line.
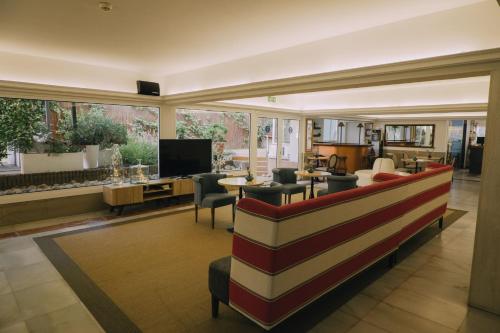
<point x="440" y="135"/>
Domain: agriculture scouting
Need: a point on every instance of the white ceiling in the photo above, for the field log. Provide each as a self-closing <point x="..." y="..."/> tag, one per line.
<point x="189" y="45"/>
<point x="444" y="92"/>
<point x="164" y="37"/>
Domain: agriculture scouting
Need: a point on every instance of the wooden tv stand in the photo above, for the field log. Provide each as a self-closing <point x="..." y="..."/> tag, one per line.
<point x="118" y="196"/>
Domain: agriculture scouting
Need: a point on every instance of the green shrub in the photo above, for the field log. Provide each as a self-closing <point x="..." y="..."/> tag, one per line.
<point x="94" y="128"/>
<point x="59" y="146"/>
<point x="21" y="121"/>
<point x="114" y="133"/>
<point x="137" y="149"/>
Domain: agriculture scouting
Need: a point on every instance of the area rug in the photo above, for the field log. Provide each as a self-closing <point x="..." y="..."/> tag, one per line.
<point x="151" y="275"/>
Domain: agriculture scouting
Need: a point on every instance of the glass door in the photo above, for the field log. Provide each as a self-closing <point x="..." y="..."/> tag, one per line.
<point x="267" y="146"/>
<point x="457" y="131"/>
<point x="290" y="145"/>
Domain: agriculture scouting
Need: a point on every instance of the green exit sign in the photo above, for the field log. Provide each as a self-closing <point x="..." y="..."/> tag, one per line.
<point x="271" y="99"/>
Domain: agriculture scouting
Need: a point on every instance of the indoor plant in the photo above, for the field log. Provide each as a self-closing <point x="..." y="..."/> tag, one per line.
<point x="21" y="122"/>
<point x="88" y="133"/>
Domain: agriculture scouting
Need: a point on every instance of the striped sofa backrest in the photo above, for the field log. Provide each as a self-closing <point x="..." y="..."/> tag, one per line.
<point x="285" y="257"/>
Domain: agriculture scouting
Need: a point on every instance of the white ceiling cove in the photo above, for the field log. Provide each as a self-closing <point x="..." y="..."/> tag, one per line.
<point x="444" y="92"/>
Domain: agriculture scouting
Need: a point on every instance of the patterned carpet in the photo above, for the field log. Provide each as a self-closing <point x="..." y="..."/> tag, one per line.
<point x="152" y="275"/>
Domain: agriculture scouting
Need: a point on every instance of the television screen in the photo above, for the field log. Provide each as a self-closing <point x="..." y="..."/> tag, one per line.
<point x="480" y="140"/>
<point x="184" y="157"/>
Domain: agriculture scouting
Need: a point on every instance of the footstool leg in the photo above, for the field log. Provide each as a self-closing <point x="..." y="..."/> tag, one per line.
<point x="215" y="307"/>
<point x="440" y="223"/>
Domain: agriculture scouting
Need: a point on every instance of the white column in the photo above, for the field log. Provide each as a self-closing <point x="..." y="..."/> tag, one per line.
<point x="167" y="122"/>
<point x="485" y="276"/>
<point x="302" y="141"/>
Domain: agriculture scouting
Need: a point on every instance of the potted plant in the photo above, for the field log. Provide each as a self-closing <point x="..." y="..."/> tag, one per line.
<point x="94" y="130"/>
<point x="57" y="155"/>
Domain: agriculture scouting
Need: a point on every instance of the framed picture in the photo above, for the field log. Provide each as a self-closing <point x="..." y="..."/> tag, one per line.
<point x="309" y="135"/>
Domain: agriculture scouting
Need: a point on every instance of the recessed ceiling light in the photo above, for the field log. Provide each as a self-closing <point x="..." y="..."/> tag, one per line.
<point x="105" y="6"/>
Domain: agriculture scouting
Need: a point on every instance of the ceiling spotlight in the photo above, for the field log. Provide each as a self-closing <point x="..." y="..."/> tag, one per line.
<point x="105" y="6"/>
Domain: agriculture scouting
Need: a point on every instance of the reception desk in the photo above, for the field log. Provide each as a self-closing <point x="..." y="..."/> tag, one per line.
<point x="355" y="153"/>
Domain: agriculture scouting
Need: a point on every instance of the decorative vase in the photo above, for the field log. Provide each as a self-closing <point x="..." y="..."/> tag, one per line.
<point x="139" y="174"/>
<point x="91" y="157"/>
<point x="249" y="176"/>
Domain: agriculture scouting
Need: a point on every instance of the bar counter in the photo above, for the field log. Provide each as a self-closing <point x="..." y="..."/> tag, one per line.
<point x="355" y="153"/>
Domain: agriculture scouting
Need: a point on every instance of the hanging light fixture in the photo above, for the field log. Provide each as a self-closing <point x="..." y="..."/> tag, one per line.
<point x="360" y="126"/>
<point x="341" y="125"/>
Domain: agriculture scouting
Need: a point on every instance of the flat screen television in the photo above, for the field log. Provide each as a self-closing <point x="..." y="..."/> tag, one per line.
<point x="184" y="157"/>
<point x="480" y="140"/>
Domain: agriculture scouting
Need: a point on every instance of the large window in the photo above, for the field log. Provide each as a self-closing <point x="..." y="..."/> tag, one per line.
<point x="140" y="123"/>
<point x="229" y="132"/>
<point x="52" y="136"/>
<point x="330" y="127"/>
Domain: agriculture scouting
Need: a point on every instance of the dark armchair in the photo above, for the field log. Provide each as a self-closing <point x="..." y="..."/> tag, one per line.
<point x="271" y="194"/>
<point x="338" y="184"/>
<point x="209" y="194"/>
<point x="288" y="179"/>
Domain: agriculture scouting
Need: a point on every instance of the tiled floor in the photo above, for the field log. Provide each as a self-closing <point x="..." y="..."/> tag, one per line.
<point x="427" y="292"/>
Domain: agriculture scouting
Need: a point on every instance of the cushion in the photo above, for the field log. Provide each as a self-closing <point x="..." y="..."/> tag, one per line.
<point x="293" y="188"/>
<point x="218" y="278"/>
<point x="218" y="200"/>
<point x="383" y="165"/>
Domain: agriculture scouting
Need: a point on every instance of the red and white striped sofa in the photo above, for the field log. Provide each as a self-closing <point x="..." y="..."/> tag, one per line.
<point x="284" y="258"/>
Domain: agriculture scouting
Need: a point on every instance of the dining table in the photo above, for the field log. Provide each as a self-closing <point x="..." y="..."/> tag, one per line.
<point x="417" y="161"/>
<point x="239" y="182"/>
<point x="313" y="175"/>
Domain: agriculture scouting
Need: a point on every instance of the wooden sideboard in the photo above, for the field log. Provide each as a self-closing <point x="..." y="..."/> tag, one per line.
<point x="128" y="194"/>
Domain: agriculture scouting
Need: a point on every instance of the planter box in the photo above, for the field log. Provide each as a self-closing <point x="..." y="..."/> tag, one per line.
<point x="35" y="163"/>
<point x="91" y="157"/>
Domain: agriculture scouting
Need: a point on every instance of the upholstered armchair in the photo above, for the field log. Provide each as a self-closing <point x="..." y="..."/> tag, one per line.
<point x="272" y="194"/>
<point x="385" y="165"/>
<point x="380" y="165"/>
<point x="338" y="184"/>
<point x="288" y="179"/>
<point x="209" y="194"/>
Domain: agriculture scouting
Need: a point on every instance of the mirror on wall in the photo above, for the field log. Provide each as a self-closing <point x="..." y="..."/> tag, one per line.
<point x="411" y="135"/>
